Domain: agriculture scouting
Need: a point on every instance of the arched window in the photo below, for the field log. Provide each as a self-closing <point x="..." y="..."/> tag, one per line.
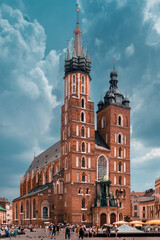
<point x="120" y="152"/>
<point x="119" y="120"/>
<point x="45" y="212"/>
<point x="79" y="191"/>
<point x="82" y="102"/>
<point x="117" y="193"/>
<point x="82" y="79"/>
<point x="83" y="147"/>
<point x="83" y="162"/>
<point x="102" y="167"/>
<point x="74" y="79"/>
<point x="87" y="191"/>
<point x="120" y="180"/>
<point x="82" y="131"/>
<point x="119" y="166"/>
<point x="16" y="212"/>
<point x="27" y="209"/>
<point x="82" y="116"/>
<point x="83" y="203"/>
<point x="83" y="177"/>
<point x="119" y="138"/>
<point x="83" y="217"/>
<point x="34" y="208"/>
<point x="21" y="207"/>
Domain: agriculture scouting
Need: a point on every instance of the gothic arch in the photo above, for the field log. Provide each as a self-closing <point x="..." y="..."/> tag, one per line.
<point x="102" y="166"/>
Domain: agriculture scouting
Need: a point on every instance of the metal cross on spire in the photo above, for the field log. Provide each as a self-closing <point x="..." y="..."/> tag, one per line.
<point x="113" y="63"/>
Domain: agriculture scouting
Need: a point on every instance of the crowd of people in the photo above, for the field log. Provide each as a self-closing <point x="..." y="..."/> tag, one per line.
<point x="9" y="231"/>
<point x="53" y="230"/>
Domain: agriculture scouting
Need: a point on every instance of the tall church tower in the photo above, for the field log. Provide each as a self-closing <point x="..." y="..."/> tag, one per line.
<point x="78" y="135"/>
<point x="113" y="124"/>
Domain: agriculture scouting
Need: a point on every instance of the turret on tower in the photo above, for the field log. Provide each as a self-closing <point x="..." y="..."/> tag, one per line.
<point x="113" y="95"/>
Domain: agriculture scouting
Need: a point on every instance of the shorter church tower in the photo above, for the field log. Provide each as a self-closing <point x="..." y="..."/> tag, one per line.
<point x="113" y="125"/>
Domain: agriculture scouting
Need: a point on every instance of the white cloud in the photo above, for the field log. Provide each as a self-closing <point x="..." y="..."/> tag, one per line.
<point x="98" y="42"/>
<point x="129" y="51"/>
<point x="151" y="15"/>
<point x="28" y="77"/>
<point x="121" y="3"/>
<point x="142" y="154"/>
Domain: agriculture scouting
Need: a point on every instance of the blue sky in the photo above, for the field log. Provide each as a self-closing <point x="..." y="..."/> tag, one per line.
<point x="33" y="40"/>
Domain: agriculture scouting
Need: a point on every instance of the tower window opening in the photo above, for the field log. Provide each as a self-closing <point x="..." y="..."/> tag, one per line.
<point x="83" y="162"/>
<point x="87" y="191"/>
<point x="103" y="122"/>
<point x="120" y="152"/>
<point x="119" y="138"/>
<point x="83" y="147"/>
<point x="82" y="89"/>
<point x="74" y="88"/>
<point x="82" y="103"/>
<point x="82" y="117"/>
<point x="82" y="79"/>
<point x="120" y="180"/>
<point x="79" y="191"/>
<point x="83" y="203"/>
<point x="82" y="132"/>
<point x="120" y="167"/>
<point x="83" y="217"/>
<point x="119" y="120"/>
<point x="83" y="177"/>
<point x="74" y="79"/>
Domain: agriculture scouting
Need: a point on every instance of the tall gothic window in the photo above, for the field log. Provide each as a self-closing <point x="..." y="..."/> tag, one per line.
<point x="83" y="177"/>
<point x="21" y="207"/>
<point x="83" y="162"/>
<point x="82" y="79"/>
<point x="34" y="208"/>
<point x="82" y="131"/>
<point x="83" y="147"/>
<point x="102" y="167"/>
<point x="120" y="180"/>
<point x="16" y="212"/>
<point x="74" y="79"/>
<point x="119" y="138"/>
<point x="82" y="102"/>
<point x="45" y="212"/>
<point x="119" y="166"/>
<point x="83" y="203"/>
<point x="82" y="117"/>
<point x="120" y="152"/>
<point x="119" y="121"/>
<point x="27" y="209"/>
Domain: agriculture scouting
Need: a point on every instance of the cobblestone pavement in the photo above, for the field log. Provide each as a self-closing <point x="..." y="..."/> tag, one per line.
<point x="41" y="235"/>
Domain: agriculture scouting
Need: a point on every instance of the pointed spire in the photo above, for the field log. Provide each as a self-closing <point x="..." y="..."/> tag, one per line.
<point x="78" y="33"/>
<point x="68" y="56"/>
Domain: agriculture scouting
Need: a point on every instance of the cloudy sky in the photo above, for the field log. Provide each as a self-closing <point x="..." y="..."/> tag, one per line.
<point x="33" y="40"/>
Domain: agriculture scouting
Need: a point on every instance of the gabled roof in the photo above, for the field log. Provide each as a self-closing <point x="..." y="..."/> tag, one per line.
<point x="2" y="209"/>
<point x="99" y="142"/>
<point x="35" y="191"/>
<point x="46" y="157"/>
<point x="147" y="199"/>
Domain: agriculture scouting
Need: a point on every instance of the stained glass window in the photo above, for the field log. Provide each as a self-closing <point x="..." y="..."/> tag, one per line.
<point x="102" y="167"/>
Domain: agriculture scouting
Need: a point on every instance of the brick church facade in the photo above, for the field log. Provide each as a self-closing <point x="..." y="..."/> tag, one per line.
<point x="85" y="177"/>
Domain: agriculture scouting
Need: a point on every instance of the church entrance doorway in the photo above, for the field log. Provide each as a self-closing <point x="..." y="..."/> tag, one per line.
<point x="112" y="218"/>
<point x="103" y="219"/>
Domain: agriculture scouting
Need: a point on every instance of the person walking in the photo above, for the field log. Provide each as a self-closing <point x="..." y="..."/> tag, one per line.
<point x="81" y="232"/>
<point x="54" y="231"/>
<point x="67" y="232"/>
